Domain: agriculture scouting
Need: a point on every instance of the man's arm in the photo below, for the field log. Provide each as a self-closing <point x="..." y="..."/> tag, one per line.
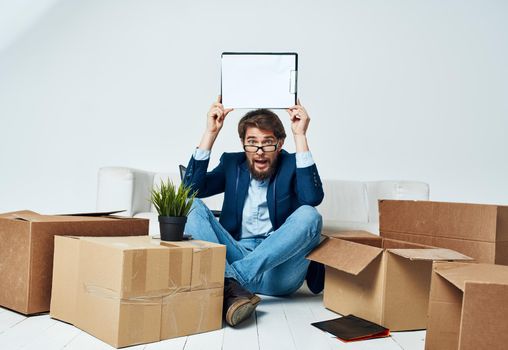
<point x="196" y="176"/>
<point x="214" y="123"/>
<point x="299" y="123"/>
<point x="308" y="183"/>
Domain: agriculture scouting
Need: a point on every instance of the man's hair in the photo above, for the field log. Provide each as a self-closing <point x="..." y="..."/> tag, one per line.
<point x="263" y="119"/>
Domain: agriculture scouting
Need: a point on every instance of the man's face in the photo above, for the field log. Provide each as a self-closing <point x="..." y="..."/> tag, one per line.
<point x="262" y="164"/>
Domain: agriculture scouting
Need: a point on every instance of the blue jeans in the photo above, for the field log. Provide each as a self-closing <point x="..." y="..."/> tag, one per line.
<point x="273" y="265"/>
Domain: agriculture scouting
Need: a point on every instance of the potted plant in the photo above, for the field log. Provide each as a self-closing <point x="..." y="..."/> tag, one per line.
<point x="173" y="205"/>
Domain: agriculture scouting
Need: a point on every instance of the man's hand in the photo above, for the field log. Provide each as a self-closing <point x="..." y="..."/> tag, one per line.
<point x="299" y="119"/>
<point x="216" y="116"/>
<point x="214" y="122"/>
<point x="299" y="123"/>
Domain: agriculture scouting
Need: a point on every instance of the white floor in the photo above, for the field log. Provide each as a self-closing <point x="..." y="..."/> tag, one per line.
<point x="279" y="324"/>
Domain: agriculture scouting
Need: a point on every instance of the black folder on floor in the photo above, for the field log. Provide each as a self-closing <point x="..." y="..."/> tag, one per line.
<point x="351" y="328"/>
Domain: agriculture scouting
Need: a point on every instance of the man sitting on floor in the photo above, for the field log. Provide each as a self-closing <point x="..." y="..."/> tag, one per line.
<point x="268" y="221"/>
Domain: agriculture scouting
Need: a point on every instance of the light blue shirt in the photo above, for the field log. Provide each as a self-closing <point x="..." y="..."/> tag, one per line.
<point x="255" y="217"/>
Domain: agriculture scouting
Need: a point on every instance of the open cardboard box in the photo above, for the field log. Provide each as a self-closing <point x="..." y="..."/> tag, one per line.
<point x="476" y="230"/>
<point x="382" y="280"/>
<point x="134" y="290"/>
<point x="26" y="251"/>
<point x="468" y="307"/>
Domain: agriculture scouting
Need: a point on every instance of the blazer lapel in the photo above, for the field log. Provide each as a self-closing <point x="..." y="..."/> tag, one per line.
<point x="271" y="195"/>
<point x="242" y="187"/>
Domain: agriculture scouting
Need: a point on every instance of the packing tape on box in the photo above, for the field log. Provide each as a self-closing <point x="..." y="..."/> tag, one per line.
<point x="209" y="276"/>
<point x="146" y="270"/>
<point x="135" y="272"/>
<point x="205" y="267"/>
<point x="149" y="299"/>
<point x="180" y="267"/>
<point x="198" y="245"/>
<point x="203" y="257"/>
<point x="202" y="306"/>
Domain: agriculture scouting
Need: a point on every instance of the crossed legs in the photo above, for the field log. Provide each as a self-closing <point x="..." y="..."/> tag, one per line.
<point x="274" y="265"/>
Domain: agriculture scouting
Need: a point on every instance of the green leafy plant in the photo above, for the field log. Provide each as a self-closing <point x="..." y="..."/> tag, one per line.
<point x="170" y="200"/>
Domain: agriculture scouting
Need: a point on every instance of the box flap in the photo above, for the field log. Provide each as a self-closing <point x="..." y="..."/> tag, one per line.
<point x="358" y="236"/>
<point x="24" y="215"/>
<point x="93" y="214"/>
<point x="126" y="242"/>
<point x="31" y="216"/>
<point x="348" y="234"/>
<point x="346" y="256"/>
<point x="440" y="254"/>
<point x="467" y="221"/>
<point x="484" y="322"/>
<point x="389" y="243"/>
<point x="197" y="245"/>
<point x="458" y="273"/>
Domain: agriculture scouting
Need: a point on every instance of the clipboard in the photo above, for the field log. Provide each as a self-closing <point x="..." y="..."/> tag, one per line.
<point x="259" y="79"/>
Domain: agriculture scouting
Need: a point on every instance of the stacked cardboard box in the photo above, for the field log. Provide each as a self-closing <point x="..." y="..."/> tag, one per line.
<point x="132" y="290"/>
<point x="382" y="280"/>
<point x="476" y="230"/>
<point x="26" y="252"/>
<point x="468" y="307"/>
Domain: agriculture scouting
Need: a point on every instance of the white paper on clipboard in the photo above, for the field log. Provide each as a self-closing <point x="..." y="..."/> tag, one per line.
<point x="259" y="80"/>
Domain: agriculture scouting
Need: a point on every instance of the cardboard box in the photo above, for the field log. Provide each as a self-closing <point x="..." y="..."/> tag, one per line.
<point x="354" y="236"/>
<point x="207" y="264"/>
<point x="26" y="252"/>
<point x="381" y="280"/>
<point x="133" y="290"/>
<point x="468" y="307"/>
<point x="476" y="230"/>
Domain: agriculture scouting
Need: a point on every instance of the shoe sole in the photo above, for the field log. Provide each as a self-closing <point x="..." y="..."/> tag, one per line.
<point x="255" y="300"/>
<point x="241" y="310"/>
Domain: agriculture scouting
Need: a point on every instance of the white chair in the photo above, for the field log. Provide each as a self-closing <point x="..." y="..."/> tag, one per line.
<point x="348" y="205"/>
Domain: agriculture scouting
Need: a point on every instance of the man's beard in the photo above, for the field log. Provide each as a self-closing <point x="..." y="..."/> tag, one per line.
<point x="260" y="176"/>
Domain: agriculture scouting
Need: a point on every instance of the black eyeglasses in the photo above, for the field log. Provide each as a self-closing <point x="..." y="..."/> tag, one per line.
<point x="265" y="148"/>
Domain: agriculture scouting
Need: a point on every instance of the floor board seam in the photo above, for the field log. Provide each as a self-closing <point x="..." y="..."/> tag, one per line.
<point x="185" y="343"/>
<point x="13" y="325"/>
<point x="257" y="329"/>
<point x="289" y="326"/>
<point x="396" y="342"/>
<point x="72" y="339"/>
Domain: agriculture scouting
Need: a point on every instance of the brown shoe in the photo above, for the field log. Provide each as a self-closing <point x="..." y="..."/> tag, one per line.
<point x="239" y="303"/>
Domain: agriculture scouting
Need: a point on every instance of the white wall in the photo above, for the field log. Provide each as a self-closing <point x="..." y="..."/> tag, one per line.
<point x="16" y="17"/>
<point x="395" y="89"/>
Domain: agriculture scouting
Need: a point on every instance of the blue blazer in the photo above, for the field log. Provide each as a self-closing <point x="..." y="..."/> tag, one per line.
<point x="289" y="188"/>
